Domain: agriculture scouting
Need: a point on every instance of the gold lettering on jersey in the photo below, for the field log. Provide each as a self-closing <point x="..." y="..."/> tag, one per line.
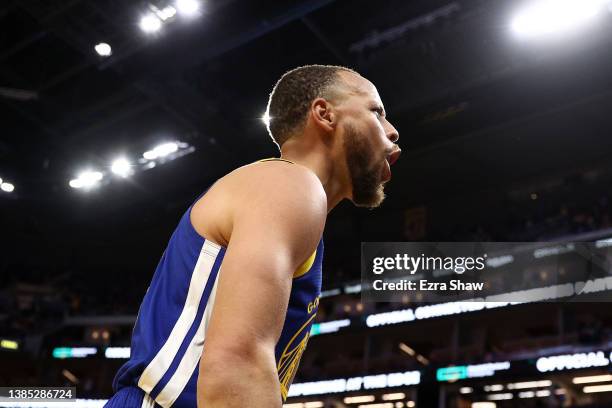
<point x="290" y="359"/>
<point x="313" y="305"/>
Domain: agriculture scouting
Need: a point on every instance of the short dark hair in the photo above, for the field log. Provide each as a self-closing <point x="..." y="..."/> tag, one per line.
<point x="292" y="95"/>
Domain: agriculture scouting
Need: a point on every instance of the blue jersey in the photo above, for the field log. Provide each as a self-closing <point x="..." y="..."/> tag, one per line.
<point x="170" y="330"/>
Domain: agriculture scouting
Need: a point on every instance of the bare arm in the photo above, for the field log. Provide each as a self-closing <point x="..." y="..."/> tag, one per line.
<point x="274" y="230"/>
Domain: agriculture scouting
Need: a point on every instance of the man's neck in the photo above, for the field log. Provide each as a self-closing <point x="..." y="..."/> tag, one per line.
<point x="319" y="162"/>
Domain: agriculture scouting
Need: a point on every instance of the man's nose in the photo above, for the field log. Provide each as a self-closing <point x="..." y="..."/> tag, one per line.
<point x="392" y="133"/>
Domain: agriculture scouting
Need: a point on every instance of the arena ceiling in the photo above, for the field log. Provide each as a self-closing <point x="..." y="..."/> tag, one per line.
<point x="476" y="107"/>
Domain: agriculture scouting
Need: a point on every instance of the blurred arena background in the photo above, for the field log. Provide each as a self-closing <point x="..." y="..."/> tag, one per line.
<point x="116" y="115"/>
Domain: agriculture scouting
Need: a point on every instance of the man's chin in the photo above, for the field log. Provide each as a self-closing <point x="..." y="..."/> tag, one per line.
<point x="371" y="199"/>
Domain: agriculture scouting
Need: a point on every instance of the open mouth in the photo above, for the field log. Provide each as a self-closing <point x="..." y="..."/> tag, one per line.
<point x="393" y="156"/>
<point x="389" y="161"/>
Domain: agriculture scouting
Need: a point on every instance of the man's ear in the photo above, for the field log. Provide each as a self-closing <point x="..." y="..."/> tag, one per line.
<point x="323" y="114"/>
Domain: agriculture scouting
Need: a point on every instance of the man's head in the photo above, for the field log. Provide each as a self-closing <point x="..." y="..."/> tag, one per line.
<point x="293" y="94"/>
<point x="344" y="110"/>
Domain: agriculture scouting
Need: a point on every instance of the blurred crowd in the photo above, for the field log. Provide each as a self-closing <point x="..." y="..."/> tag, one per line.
<point x="35" y="300"/>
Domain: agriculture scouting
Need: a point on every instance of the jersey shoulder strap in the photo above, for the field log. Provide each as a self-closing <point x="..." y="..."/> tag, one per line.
<point x="275" y="159"/>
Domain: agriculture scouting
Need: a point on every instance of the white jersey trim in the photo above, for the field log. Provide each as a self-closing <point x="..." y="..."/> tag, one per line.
<point x="158" y="366"/>
<point x="190" y="360"/>
<point x="147" y="402"/>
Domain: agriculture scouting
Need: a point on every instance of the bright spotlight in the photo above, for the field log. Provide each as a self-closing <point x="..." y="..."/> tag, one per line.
<point x="166" y="13"/>
<point x="161" y="151"/>
<point x="76" y="183"/>
<point x="103" y="49"/>
<point x="150" y="155"/>
<point x="165" y="149"/>
<point x="150" y="23"/>
<point x="266" y="119"/>
<point x="553" y="16"/>
<point x="86" y="179"/>
<point x="121" y="167"/>
<point x="8" y="187"/>
<point x="188" y="7"/>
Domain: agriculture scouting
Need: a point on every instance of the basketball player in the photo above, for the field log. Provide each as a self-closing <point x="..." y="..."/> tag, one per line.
<point x="228" y="313"/>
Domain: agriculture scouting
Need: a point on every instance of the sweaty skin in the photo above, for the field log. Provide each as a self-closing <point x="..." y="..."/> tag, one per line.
<point x="270" y="216"/>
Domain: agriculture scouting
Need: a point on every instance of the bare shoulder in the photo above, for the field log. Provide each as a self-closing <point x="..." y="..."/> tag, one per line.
<point x="280" y="188"/>
<point x="279" y="177"/>
<point x="283" y="187"/>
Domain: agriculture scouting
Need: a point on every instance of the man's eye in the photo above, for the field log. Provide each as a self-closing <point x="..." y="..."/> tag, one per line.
<point x="378" y="111"/>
